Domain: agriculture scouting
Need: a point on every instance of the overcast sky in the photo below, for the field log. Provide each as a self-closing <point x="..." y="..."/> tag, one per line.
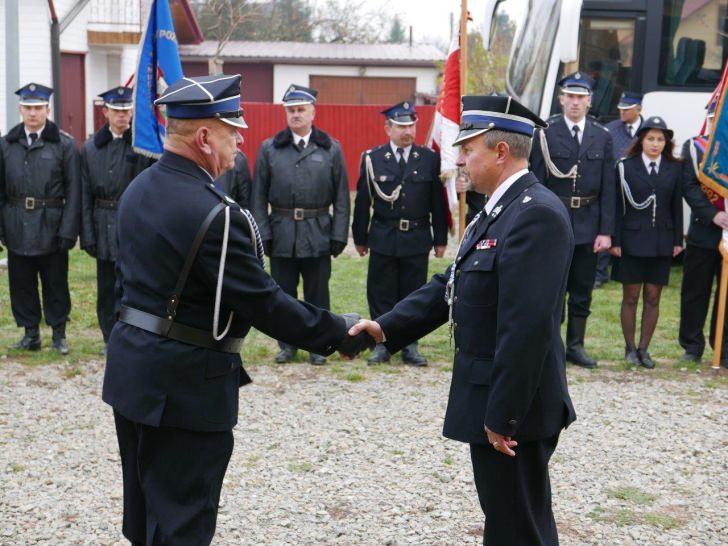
<point x="431" y="18"/>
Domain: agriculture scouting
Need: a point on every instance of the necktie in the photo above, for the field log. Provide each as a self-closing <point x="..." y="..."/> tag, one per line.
<point x="575" y="128"/>
<point x="301" y="144"/>
<point x="401" y="162"/>
<point x="653" y="168"/>
<point x="33" y="138"/>
<point x="629" y="131"/>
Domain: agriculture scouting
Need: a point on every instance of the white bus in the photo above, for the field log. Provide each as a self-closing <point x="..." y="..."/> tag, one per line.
<point x="672" y="51"/>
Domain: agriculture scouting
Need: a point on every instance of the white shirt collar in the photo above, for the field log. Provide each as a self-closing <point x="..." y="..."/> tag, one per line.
<point x="297" y="138"/>
<point x="646" y="160"/>
<point x="502" y="189"/>
<point x="406" y="151"/>
<point x="27" y="133"/>
<point x="570" y="124"/>
<point x="116" y="135"/>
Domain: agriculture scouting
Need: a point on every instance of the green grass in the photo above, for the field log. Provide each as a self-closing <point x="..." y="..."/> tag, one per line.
<point x="631" y="494"/>
<point x="348" y="294"/>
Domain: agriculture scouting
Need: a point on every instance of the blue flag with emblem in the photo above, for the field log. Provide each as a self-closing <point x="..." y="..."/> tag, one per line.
<point x="714" y="169"/>
<point x="159" y="66"/>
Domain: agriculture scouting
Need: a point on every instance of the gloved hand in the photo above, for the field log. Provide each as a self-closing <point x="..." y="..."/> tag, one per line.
<point x="91" y="250"/>
<point x="352" y="346"/>
<point x="337" y="247"/>
<point x="66" y="244"/>
<point x="267" y="245"/>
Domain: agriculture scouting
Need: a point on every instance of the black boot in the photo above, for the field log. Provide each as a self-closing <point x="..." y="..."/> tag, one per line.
<point x="412" y="357"/>
<point x="286" y="354"/>
<point x="316" y="359"/>
<point x="575" y="353"/>
<point x="29" y="342"/>
<point x="59" y="339"/>
<point x="380" y="355"/>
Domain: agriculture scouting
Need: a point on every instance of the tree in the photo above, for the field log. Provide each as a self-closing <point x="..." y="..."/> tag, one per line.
<point x="347" y="22"/>
<point x="396" y="32"/>
<point x="220" y="20"/>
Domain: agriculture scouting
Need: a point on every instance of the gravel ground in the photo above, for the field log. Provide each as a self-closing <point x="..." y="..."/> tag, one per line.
<point x="355" y="457"/>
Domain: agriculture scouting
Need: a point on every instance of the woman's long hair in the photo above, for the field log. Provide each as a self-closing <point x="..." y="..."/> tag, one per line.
<point x="636" y="147"/>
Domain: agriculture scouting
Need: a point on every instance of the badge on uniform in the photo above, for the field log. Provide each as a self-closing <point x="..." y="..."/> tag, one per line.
<point x="496" y="211"/>
<point x="485" y="244"/>
<point x="387" y="155"/>
<point x="526" y="199"/>
<point x="416" y="154"/>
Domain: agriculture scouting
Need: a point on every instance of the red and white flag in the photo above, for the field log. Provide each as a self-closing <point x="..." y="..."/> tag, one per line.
<point x="446" y="123"/>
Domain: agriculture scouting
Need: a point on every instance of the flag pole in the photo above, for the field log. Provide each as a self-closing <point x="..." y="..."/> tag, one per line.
<point x="462" y="207"/>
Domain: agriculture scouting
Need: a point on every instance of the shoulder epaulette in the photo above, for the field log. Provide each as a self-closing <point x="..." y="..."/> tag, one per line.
<point x="553" y="118"/>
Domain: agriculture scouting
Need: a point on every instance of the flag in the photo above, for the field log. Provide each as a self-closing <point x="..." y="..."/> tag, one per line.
<point x="158" y="67"/>
<point x="714" y="170"/>
<point x="446" y="122"/>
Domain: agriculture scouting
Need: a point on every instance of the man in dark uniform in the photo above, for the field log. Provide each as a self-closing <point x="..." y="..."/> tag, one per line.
<point x="191" y="285"/>
<point x="237" y="182"/>
<point x="108" y="165"/>
<point x="40" y="213"/>
<point x="400" y="182"/>
<point x="503" y="295"/>
<point x="301" y="174"/>
<point x="623" y="131"/>
<point x="702" y="261"/>
<point x="573" y="158"/>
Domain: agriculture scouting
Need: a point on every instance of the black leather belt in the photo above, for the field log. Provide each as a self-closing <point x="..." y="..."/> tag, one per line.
<point x="179" y="332"/>
<point x="404" y="224"/>
<point x="106" y="204"/>
<point x="300" y="214"/>
<point x="30" y="203"/>
<point x="576" y="202"/>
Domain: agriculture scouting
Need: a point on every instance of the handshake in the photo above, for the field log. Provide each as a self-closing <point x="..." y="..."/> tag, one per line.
<point x="360" y="335"/>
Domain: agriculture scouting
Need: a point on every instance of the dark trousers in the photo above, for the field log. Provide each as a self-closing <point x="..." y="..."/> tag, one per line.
<point x="700" y="267"/>
<point x="315" y="273"/>
<point x="515" y="494"/>
<point x="172" y="482"/>
<point x="23" y="273"/>
<point x="602" y="275"/>
<point x="105" y="298"/>
<point x="581" y="281"/>
<point x="392" y="278"/>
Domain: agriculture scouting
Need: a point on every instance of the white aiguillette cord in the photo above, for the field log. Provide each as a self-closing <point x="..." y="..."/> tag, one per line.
<point x="218" y="289"/>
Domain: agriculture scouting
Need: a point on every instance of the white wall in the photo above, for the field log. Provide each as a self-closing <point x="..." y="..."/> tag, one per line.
<point x="35" y="44"/>
<point x="286" y="74"/>
<point x="74" y="38"/>
<point x="3" y="95"/>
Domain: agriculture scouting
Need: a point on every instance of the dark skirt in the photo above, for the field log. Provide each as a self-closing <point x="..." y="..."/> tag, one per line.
<point x="640" y="270"/>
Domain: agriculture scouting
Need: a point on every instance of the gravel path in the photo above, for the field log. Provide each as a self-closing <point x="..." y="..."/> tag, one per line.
<point x="347" y="455"/>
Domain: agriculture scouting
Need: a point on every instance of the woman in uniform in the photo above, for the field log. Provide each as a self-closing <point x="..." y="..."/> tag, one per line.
<point x="648" y="232"/>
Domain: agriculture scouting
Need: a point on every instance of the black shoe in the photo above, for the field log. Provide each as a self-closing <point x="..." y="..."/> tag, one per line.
<point x="380" y="355"/>
<point x="60" y="345"/>
<point x="690" y="357"/>
<point x="316" y="360"/>
<point x="645" y="359"/>
<point x="411" y="357"/>
<point x="630" y="355"/>
<point x="577" y="356"/>
<point x="29" y="342"/>
<point x="285" y="355"/>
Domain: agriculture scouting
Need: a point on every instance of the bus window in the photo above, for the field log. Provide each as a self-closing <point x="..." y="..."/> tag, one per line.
<point x="694" y="43"/>
<point x="606" y="52"/>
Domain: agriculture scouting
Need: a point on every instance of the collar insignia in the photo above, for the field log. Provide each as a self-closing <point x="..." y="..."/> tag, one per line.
<point x="526" y="199"/>
<point x="415" y="154"/>
<point x="387" y="155"/>
<point x="496" y="211"/>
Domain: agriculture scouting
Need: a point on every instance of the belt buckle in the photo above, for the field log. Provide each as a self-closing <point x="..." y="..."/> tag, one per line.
<point x="29" y="203"/>
<point x="404" y="224"/>
<point x="575" y="202"/>
<point x="298" y="214"/>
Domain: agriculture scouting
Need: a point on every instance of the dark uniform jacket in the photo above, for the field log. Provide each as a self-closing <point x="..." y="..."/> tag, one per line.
<point x="155" y="380"/>
<point x="50" y="169"/>
<point x="595" y="175"/>
<point x="635" y="232"/>
<point x="510" y="279"/>
<point x="702" y="232"/>
<point x="620" y="139"/>
<point x="421" y="200"/>
<point x="107" y="168"/>
<point x="314" y="178"/>
<point x="236" y="182"/>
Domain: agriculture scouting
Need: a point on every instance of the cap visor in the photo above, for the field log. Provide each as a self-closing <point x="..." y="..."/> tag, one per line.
<point x="468" y="134"/>
<point x="403" y="121"/>
<point x="297" y="102"/>
<point x="235" y="122"/>
<point x="33" y="102"/>
<point x="576" y="90"/>
<point x="625" y="106"/>
<point x="128" y="106"/>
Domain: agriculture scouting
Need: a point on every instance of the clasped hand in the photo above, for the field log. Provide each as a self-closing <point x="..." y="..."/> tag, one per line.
<point x="355" y="342"/>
